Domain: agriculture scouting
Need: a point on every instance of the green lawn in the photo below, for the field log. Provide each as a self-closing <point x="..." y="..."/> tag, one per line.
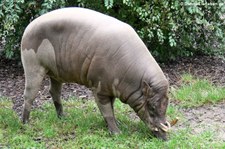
<point x="196" y="92"/>
<point x="83" y="127"/>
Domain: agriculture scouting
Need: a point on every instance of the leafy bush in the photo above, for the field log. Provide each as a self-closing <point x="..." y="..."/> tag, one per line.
<point x="16" y="15"/>
<point x="170" y="28"/>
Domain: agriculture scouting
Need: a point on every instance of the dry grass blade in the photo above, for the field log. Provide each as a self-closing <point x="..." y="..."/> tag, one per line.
<point x="174" y="121"/>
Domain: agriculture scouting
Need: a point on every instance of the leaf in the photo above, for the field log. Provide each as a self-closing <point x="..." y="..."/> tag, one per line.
<point x="108" y="3"/>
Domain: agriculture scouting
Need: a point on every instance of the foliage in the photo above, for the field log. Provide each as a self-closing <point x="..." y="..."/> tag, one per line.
<point x="83" y="127"/>
<point x="169" y="28"/>
<point x="196" y="92"/>
<point x="16" y="15"/>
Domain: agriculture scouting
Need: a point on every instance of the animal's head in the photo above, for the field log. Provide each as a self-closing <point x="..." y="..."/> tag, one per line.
<point x="153" y="113"/>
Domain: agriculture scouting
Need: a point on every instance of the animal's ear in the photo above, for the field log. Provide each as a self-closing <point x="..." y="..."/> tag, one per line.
<point x="146" y="89"/>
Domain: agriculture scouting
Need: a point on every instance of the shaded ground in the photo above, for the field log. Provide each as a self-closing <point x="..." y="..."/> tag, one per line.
<point x="208" y="117"/>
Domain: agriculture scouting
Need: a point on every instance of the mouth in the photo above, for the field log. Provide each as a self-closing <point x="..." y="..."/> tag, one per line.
<point x="160" y="135"/>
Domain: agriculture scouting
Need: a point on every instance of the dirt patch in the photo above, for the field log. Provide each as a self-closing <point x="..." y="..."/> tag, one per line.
<point x="208" y="117"/>
<point x="205" y="118"/>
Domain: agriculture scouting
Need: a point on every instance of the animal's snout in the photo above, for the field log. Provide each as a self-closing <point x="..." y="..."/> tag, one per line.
<point x="160" y="134"/>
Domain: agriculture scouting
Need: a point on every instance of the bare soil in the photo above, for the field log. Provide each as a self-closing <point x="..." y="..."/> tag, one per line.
<point x="207" y="117"/>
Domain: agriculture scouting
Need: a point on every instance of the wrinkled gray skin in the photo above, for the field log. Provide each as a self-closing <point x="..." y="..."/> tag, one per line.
<point x="83" y="46"/>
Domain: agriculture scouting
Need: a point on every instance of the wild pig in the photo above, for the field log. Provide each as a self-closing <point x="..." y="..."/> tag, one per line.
<point x="98" y="51"/>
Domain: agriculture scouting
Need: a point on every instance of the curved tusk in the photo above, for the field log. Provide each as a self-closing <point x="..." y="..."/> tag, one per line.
<point x="156" y="129"/>
<point x="164" y="127"/>
<point x="168" y="124"/>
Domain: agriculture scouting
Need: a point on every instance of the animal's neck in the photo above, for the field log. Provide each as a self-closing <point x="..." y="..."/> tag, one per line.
<point x="136" y="101"/>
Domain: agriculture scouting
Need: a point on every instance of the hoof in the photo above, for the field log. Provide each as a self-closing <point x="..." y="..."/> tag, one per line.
<point x="114" y="133"/>
<point x="61" y="116"/>
<point x="24" y="121"/>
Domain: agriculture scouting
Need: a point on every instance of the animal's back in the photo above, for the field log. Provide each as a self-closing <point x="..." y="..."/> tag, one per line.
<point x="79" y="38"/>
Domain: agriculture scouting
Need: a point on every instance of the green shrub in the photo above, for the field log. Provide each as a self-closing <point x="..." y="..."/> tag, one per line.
<point x="16" y="15"/>
<point x="170" y="28"/>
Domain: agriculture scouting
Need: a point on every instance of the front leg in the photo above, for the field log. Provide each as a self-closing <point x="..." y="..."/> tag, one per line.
<point x="105" y="105"/>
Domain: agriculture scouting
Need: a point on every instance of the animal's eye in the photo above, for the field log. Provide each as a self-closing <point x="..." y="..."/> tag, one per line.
<point x="152" y="110"/>
<point x="151" y="107"/>
<point x="151" y="113"/>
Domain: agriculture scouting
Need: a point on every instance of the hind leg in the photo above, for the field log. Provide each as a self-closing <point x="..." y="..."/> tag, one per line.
<point x="55" y="91"/>
<point x="33" y="81"/>
<point x="34" y="74"/>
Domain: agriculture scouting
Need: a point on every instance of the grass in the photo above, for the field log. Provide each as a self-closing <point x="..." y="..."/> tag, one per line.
<point x="83" y="126"/>
<point x="196" y="92"/>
